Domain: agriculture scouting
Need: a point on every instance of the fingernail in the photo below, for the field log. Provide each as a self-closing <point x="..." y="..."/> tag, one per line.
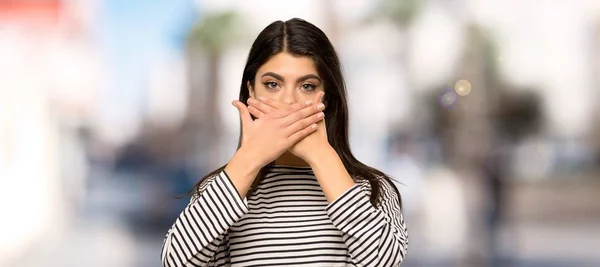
<point x="233" y="103"/>
<point x="320" y="106"/>
<point x="250" y="100"/>
<point x="321" y="99"/>
<point x="320" y="115"/>
<point x="308" y="103"/>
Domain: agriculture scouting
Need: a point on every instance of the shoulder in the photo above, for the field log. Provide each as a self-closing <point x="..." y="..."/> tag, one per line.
<point x="388" y="187"/>
<point x="204" y="183"/>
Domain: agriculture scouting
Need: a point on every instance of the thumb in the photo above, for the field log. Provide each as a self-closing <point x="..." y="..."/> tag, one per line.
<point x="244" y="114"/>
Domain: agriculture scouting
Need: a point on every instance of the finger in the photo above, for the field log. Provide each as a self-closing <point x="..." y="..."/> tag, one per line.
<point x="289" y="109"/>
<point x="275" y="104"/>
<point x="244" y="114"/>
<point x="302" y="113"/>
<point x="255" y="112"/>
<point x="260" y="106"/>
<point x="319" y="97"/>
<point x="284" y="109"/>
<point x="294" y="138"/>
<point x="301" y="124"/>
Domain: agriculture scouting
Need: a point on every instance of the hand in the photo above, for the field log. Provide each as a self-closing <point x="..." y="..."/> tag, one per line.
<point x="306" y="146"/>
<point x="267" y="138"/>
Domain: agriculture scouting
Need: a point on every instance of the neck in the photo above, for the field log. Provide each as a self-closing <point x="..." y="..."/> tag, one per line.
<point x="289" y="159"/>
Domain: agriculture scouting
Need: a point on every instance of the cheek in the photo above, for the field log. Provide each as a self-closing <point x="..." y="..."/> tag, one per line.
<point x="260" y="91"/>
<point x="303" y="96"/>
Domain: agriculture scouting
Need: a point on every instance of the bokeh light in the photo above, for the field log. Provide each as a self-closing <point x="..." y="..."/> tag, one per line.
<point x="462" y="87"/>
<point x="448" y="98"/>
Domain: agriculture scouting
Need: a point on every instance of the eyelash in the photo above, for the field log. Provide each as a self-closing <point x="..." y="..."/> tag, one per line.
<point x="273" y="85"/>
<point x="311" y="86"/>
<point x="270" y="83"/>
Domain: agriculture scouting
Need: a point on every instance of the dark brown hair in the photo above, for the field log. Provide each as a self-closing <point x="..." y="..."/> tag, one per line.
<point x="301" y="38"/>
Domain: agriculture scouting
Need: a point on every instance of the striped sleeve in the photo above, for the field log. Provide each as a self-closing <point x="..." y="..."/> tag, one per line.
<point x="374" y="236"/>
<point x="200" y="229"/>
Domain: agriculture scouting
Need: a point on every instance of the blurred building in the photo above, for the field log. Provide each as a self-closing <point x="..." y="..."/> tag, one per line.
<point x="29" y="155"/>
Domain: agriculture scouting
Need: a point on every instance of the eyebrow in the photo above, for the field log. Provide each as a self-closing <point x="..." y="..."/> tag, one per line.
<point x="303" y="78"/>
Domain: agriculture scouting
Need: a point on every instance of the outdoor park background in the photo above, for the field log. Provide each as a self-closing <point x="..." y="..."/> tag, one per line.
<point x="110" y="108"/>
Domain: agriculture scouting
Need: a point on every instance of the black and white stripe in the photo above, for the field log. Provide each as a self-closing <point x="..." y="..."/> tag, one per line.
<point x="287" y="222"/>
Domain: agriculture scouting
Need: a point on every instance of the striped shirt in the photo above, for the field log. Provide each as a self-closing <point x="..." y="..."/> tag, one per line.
<point x="287" y="222"/>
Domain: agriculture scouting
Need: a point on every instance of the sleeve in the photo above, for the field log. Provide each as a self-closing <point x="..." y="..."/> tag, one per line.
<point x="201" y="227"/>
<point x="374" y="236"/>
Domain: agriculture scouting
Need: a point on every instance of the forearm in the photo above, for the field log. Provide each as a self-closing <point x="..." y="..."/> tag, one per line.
<point x="330" y="172"/>
<point x="373" y="237"/>
<point x="199" y="230"/>
<point x="242" y="170"/>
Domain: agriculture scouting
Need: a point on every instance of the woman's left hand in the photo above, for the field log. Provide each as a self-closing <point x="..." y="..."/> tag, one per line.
<point x="306" y="147"/>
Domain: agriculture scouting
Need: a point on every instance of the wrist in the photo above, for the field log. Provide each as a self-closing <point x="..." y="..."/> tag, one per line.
<point x="242" y="170"/>
<point x="320" y="155"/>
<point x="244" y="159"/>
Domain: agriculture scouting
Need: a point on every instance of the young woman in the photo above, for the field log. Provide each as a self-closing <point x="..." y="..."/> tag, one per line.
<point x="293" y="193"/>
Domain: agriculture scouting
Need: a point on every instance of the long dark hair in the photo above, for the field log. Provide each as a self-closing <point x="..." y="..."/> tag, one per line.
<point x="301" y="38"/>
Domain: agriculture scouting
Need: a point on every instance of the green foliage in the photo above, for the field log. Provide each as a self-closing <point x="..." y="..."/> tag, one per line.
<point x="215" y="31"/>
<point x="400" y="12"/>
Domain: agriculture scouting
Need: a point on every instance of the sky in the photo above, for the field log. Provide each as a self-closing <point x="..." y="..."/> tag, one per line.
<point x="132" y="35"/>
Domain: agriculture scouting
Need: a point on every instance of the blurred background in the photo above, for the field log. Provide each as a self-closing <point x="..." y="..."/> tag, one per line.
<point x="486" y="111"/>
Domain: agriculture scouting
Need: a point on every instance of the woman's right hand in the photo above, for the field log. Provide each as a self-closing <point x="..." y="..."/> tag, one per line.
<point x="265" y="139"/>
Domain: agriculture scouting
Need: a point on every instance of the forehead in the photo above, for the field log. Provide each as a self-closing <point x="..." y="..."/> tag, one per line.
<point x="286" y="64"/>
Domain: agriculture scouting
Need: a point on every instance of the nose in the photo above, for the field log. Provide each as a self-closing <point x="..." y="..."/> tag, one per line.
<point x="289" y="96"/>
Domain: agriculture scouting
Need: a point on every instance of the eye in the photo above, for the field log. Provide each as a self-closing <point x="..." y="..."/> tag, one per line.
<point x="271" y="85"/>
<point x="308" y="87"/>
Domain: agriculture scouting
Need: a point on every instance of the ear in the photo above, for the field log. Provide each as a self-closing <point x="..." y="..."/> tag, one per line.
<point x="250" y="89"/>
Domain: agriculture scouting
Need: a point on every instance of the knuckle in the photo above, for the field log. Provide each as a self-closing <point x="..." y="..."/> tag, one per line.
<point x="308" y="122"/>
<point x="282" y="123"/>
<point x="307" y="111"/>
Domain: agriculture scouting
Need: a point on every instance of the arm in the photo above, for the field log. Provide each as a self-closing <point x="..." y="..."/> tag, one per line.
<point x="196" y="235"/>
<point x="200" y="229"/>
<point x="374" y="236"/>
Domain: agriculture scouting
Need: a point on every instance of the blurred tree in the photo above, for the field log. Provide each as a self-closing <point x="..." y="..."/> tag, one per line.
<point x="479" y="128"/>
<point x="492" y="109"/>
<point x="401" y="14"/>
<point x="469" y="139"/>
<point x="207" y="42"/>
<point x="332" y="26"/>
<point x="596" y="84"/>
